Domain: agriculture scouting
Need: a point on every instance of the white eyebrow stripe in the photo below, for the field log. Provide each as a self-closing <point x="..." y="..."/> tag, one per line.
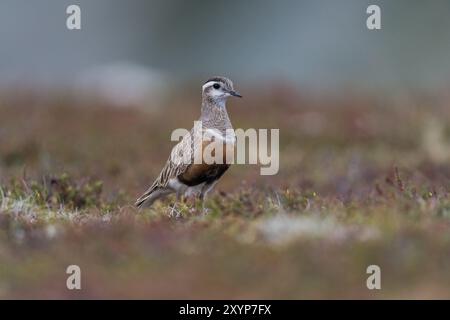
<point x="209" y="83"/>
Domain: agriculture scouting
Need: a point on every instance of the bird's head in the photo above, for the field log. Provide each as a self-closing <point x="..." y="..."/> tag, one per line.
<point x="218" y="89"/>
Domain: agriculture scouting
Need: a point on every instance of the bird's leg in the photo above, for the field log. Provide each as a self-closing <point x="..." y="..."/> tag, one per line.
<point x="202" y="200"/>
<point x="179" y="198"/>
<point x="204" y="192"/>
<point x="174" y="213"/>
<point x="172" y="209"/>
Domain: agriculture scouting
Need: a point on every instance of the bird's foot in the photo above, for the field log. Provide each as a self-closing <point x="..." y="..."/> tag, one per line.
<point x="174" y="212"/>
<point x="205" y="210"/>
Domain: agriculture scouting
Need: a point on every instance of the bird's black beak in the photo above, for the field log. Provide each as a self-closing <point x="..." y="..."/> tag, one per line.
<point x="235" y="94"/>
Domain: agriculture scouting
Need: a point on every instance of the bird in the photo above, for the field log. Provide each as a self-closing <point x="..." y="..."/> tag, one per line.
<point x="186" y="178"/>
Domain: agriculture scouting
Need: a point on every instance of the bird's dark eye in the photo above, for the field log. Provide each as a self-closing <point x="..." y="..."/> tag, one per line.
<point x="216" y="86"/>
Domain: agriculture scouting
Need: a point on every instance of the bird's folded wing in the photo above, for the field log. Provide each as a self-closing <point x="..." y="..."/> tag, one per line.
<point x="181" y="156"/>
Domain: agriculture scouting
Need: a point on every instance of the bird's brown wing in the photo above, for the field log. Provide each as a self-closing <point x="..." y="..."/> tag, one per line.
<point x="181" y="157"/>
<point x="181" y="164"/>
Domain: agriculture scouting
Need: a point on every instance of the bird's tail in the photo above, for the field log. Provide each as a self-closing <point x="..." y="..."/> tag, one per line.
<point x="150" y="196"/>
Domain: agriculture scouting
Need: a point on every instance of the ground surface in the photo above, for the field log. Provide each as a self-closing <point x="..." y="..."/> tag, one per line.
<point x="362" y="181"/>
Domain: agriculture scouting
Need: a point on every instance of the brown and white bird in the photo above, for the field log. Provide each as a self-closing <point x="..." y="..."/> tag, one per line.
<point x="188" y="177"/>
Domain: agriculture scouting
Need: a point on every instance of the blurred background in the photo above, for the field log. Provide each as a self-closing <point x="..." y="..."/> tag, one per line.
<point x="364" y="118"/>
<point x="309" y="44"/>
<point x="293" y="60"/>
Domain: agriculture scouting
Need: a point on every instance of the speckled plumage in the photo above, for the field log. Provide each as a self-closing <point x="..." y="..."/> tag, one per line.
<point x="183" y="178"/>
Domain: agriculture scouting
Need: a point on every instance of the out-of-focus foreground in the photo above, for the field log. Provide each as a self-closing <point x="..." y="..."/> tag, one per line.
<point x="363" y="180"/>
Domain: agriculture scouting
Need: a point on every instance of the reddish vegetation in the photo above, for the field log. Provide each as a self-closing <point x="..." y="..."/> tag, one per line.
<point x="362" y="181"/>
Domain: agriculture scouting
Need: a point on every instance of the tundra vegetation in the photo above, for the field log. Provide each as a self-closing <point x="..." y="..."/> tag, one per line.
<point x="363" y="180"/>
